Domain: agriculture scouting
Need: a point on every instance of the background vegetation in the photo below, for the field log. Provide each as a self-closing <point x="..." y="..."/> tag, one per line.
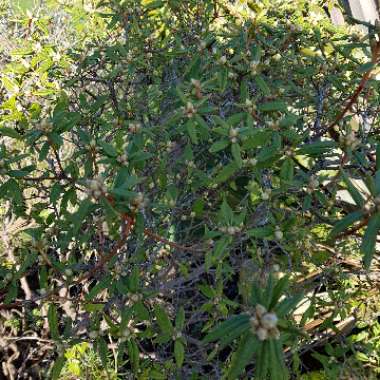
<point x="189" y="190"/>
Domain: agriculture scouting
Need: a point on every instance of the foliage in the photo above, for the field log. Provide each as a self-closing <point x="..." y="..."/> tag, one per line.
<point x="163" y="164"/>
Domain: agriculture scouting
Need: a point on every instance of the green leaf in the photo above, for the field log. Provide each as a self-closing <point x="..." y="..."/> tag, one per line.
<point x="223" y="79"/>
<point x="80" y="215"/>
<point x="180" y="319"/>
<point x="225" y="127"/>
<point x="318" y="148"/>
<point x="369" y="239"/>
<point x="57" y="367"/>
<point x="377" y="182"/>
<point x="10" y="132"/>
<point x="44" y="151"/>
<point x="179" y="353"/>
<point x="55" y="192"/>
<point x="220" y="247"/>
<point x="52" y="316"/>
<point x="225" y="327"/>
<point x="344" y="223"/>
<point x="277" y="105"/>
<point x="226" y="212"/>
<point x="243" y="355"/>
<point x="227" y="172"/>
<point x="191" y="130"/>
<point x="163" y="320"/>
<point x="236" y="154"/>
<point x="277" y="368"/>
<point x="134" y="355"/>
<point x="278" y="291"/>
<point x="263" y="87"/>
<point x="260" y="232"/>
<point x="288" y="304"/>
<point x="365" y="67"/>
<point x="287" y="170"/>
<point x="262" y="362"/>
<point x="10" y="85"/>
<point x="232" y="335"/>
<point x="11" y="293"/>
<point x="108" y="149"/>
<point x="256" y="294"/>
<point x="354" y="192"/>
<point x="101" y="285"/>
<point x="218" y="146"/>
<point x="103" y="351"/>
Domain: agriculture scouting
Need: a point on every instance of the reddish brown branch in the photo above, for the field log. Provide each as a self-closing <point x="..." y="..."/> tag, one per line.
<point x="353" y="98"/>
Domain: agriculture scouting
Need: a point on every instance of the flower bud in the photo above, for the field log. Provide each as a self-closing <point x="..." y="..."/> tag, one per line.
<point x="233" y="132"/>
<point x="223" y="60"/>
<point x="68" y="272"/>
<point x="269" y="320"/>
<point x="278" y="233"/>
<point x="231" y="230"/>
<point x="262" y="334"/>
<point x="260" y="310"/>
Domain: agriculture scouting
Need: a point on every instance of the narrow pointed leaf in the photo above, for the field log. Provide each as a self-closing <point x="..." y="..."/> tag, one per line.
<point x="344" y="223"/>
<point x="243" y="355"/>
<point x="369" y="239"/>
<point x="225" y="327"/>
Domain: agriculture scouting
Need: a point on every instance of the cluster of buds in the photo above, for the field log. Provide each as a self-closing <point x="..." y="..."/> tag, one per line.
<point x="176" y="335"/>
<point x="349" y="140"/>
<point x="45" y="126"/>
<point x="231" y="230"/>
<point x="171" y="202"/>
<point x="202" y="45"/>
<point x="163" y="252"/>
<point x="253" y="67"/>
<point x="251" y="161"/>
<point x="92" y="144"/>
<point x="189" y="110"/>
<point x="264" y="324"/>
<point x="223" y="60"/>
<point x="372" y="205"/>
<point x="197" y="87"/>
<point x="278" y="234"/>
<point x="251" y="108"/>
<point x="137" y="202"/>
<point x="118" y="269"/>
<point x="190" y="164"/>
<point x="232" y="75"/>
<point x="273" y="125"/>
<point x="293" y="27"/>
<point x="313" y="184"/>
<point x="289" y="152"/>
<point x="128" y="332"/>
<point x="122" y="159"/>
<point x="234" y="132"/>
<point x="265" y="194"/>
<point x="135" y="297"/>
<point x="93" y="334"/>
<point x="96" y="187"/>
<point x="170" y="145"/>
<point x="134" y="127"/>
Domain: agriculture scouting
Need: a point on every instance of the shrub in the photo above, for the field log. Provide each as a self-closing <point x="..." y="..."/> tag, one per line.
<point x="178" y="173"/>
